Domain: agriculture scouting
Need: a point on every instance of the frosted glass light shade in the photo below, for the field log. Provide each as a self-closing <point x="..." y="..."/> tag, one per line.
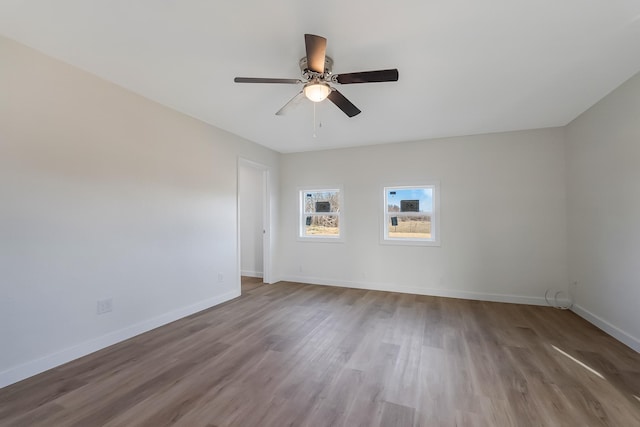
<point x="317" y="92"/>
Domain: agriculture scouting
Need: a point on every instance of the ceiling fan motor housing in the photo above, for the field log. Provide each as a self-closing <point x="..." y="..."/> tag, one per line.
<point x="311" y="75"/>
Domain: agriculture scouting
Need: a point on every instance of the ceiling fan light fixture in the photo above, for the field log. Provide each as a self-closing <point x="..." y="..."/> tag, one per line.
<point x="317" y="91"/>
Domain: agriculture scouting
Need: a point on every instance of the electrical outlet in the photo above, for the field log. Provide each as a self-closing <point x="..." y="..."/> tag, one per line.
<point x="220" y="277"/>
<point x="104" y="306"/>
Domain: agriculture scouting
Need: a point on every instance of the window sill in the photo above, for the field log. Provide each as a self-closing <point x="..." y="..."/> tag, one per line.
<point x="409" y="242"/>
<point x="321" y="239"/>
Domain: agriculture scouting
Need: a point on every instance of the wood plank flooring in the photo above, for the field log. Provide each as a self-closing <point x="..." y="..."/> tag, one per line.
<point x="300" y="355"/>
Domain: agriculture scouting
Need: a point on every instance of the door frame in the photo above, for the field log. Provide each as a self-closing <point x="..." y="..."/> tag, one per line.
<point x="266" y="217"/>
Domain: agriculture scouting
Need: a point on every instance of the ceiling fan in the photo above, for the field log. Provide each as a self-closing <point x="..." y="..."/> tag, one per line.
<point x="316" y="70"/>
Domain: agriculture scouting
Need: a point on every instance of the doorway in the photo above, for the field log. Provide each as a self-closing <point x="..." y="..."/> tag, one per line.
<point x="254" y="247"/>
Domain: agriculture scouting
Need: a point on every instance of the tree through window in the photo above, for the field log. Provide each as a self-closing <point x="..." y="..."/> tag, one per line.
<point x="320" y="213"/>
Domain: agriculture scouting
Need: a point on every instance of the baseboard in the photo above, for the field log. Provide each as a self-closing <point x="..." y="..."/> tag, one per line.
<point x="622" y="336"/>
<point x="248" y="273"/>
<point x="436" y="292"/>
<point x="50" y="361"/>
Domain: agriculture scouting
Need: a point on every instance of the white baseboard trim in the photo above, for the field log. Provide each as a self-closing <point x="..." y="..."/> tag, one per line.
<point x="252" y="273"/>
<point x="33" y="367"/>
<point x="390" y="287"/>
<point x="622" y="336"/>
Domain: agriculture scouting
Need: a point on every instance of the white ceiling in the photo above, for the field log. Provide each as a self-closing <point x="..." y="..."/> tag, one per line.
<point x="466" y="66"/>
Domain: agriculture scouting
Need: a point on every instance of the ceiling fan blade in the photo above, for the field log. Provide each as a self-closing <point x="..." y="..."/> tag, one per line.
<point x="368" y="77"/>
<point x="316" y="51"/>
<point x="292" y="103"/>
<point x="343" y="103"/>
<point x="261" y="80"/>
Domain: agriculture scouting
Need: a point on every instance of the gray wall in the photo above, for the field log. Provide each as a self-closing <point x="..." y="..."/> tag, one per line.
<point x="503" y="217"/>
<point x="603" y="185"/>
<point x="105" y="194"/>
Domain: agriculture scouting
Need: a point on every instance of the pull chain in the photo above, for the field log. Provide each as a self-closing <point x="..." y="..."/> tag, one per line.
<point x="314" y="120"/>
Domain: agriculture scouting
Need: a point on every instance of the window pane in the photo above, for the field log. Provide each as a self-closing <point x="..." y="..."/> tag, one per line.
<point x="413" y="227"/>
<point x="320" y="212"/>
<point x="321" y="201"/>
<point x="410" y="216"/>
<point x="322" y="225"/>
<point x="410" y="200"/>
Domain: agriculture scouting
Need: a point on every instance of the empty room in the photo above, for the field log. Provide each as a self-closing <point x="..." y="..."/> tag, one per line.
<point x="411" y="213"/>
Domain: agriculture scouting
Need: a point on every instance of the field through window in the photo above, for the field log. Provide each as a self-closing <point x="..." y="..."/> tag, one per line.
<point x="410" y="214"/>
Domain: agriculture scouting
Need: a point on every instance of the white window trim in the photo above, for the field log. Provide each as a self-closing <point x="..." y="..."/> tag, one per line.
<point x="435" y="220"/>
<point x="302" y="215"/>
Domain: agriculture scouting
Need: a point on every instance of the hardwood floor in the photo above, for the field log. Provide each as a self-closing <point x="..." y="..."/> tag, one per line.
<point x="250" y="283"/>
<point x="300" y="355"/>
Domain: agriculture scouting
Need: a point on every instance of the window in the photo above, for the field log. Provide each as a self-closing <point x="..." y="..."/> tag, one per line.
<point x="320" y="214"/>
<point x="411" y="215"/>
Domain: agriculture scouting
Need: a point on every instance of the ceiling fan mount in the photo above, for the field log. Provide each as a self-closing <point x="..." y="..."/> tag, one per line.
<point x="310" y="74"/>
<point x="317" y="73"/>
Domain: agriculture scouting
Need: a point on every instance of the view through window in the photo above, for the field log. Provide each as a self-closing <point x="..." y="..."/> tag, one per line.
<point x="410" y="214"/>
<point x="320" y="213"/>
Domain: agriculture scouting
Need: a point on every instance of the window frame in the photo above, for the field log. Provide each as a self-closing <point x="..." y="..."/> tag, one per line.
<point x="302" y="191"/>
<point x="435" y="217"/>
